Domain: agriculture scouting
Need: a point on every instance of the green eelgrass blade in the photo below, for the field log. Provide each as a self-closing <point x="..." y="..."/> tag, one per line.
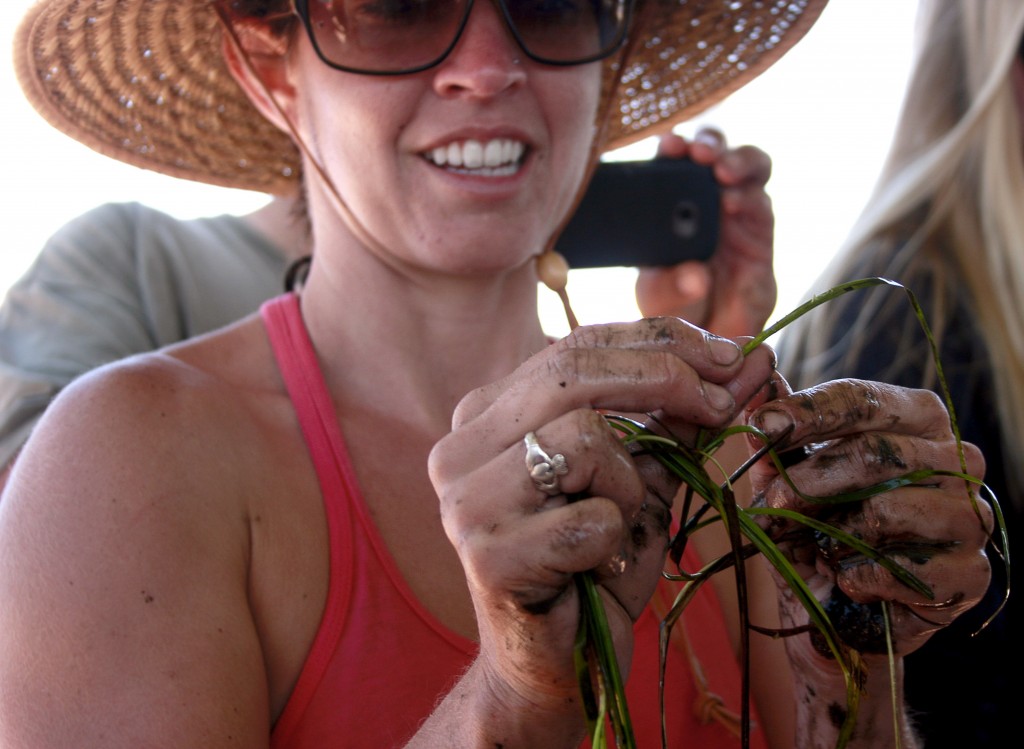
<point x="894" y="694"/>
<point x="664" y="634"/>
<point x="1003" y="548"/>
<point x="612" y="692"/>
<point x="898" y="571"/>
<point x="815" y="301"/>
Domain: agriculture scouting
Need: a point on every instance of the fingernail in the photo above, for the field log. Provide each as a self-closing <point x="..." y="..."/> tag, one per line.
<point x="722" y="350"/>
<point x="774" y="423"/>
<point x="718" y="396"/>
<point x="710" y="137"/>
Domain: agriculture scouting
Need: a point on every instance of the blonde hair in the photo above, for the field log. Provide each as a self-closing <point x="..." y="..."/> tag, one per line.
<point x="947" y="206"/>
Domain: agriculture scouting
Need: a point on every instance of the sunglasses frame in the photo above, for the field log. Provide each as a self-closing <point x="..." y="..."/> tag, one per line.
<point x="301" y="9"/>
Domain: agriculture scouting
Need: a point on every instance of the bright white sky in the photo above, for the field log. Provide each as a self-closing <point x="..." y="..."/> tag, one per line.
<point x="824" y="113"/>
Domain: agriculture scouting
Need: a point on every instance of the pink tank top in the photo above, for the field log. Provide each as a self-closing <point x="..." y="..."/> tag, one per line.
<point x="380" y="661"/>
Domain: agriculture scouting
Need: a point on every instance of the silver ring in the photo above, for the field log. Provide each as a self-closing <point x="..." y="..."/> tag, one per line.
<point x="544" y="469"/>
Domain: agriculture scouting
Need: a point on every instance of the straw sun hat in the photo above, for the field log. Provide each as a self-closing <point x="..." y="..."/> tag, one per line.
<point x="143" y="81"/>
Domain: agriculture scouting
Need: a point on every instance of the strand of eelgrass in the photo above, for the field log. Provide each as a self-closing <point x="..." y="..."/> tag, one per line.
<point x="596" y="646"/>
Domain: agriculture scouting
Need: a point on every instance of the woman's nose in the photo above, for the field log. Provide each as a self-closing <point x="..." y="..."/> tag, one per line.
<point x="486" y="59"/>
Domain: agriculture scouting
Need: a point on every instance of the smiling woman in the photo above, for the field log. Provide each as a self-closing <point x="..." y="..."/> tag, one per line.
<point x="315" y="527"/>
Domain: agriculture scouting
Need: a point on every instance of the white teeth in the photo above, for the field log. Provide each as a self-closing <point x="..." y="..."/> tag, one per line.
<point x="454" y="155"/>
<point x="492" y="153"/>
<point x="472" y="154"/>
<point x="497" y="156"/>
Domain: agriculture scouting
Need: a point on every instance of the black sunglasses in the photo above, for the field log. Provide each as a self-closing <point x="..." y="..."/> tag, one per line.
<point x="396" y="37"/>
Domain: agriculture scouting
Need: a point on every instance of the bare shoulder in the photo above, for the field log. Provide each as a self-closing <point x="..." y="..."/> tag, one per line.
<point x="125" y="524"/>
<point x="129" y="418"/>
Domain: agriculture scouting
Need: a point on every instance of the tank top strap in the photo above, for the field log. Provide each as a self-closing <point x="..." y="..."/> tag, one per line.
<point x="300" y="369"/>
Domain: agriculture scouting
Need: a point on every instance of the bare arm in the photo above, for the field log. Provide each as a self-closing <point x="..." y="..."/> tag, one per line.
<point x="126" y="621"/>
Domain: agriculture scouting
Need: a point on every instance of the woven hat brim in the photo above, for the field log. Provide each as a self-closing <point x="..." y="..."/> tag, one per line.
<point x="144" y="81"/>
<point x="685" y="62"/>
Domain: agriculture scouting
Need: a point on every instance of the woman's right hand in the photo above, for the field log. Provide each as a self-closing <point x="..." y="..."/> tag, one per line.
<point x="520" y="546"/>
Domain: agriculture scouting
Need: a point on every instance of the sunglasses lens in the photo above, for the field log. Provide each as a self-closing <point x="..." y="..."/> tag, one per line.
<point x="397" y="36"/>
<point x="384" y="36"/>
<point x="568" y="31"/>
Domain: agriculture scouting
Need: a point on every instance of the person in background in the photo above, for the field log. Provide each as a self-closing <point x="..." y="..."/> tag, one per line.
<point x="123" y="279"/>
<point x="126" y="279"/>
<point x="945" y="220"/>
<point x="337" y="521"/>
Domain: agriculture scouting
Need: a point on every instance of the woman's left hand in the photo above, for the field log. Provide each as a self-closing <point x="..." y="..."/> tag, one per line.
<point x="734" y="292"/>
<point x="853" y="434"/>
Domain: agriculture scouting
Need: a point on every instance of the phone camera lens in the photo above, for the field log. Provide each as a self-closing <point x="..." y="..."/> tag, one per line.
<point x="685" y="220"/>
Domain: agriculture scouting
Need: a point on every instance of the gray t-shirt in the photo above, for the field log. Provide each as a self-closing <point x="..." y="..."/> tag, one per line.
<point x="120" y="280"/>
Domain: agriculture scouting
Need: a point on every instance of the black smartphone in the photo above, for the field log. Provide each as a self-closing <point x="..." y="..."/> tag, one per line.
<point x="655" y="212"/>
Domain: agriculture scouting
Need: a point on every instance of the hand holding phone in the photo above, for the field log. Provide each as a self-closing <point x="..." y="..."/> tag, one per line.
<point x="657" y="212"/>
